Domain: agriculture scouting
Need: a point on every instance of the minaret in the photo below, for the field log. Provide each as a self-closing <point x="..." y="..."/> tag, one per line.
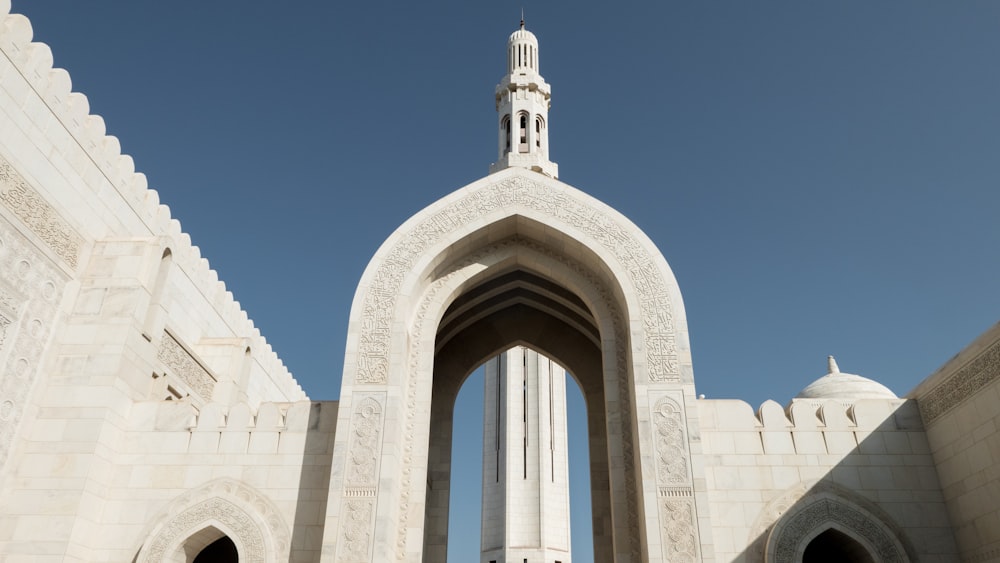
<point x="525" y="461"/>
<point x="522" y="100"/>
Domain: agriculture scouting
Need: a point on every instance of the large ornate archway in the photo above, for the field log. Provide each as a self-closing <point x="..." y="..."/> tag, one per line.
<point x="515" y="258"/>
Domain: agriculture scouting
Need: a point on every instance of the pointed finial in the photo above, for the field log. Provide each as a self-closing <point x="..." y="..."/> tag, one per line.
<point x="832" y="366"/>
<point x="522" y="17"/>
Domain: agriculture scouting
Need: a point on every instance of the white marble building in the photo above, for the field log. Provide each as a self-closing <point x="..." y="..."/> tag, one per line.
<point x="144" y="418"/>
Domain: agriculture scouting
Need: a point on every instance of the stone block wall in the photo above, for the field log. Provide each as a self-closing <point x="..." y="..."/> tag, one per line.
<point x="104" y="304"/>
<point x="873" y="454"/>
<point x="280" y="452"/>
<point x="960" y="406"/>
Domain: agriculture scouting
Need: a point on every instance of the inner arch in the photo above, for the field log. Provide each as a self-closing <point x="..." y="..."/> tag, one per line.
<point x="516" y="306"/>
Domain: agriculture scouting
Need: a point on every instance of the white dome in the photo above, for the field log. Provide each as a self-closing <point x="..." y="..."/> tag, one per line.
<point x="844" y="386"/>
<point x="522" y="36"/>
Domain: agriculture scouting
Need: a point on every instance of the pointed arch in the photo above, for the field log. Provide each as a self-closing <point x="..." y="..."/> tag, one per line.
<point x="832" y="509"/>
<point x="515" y="258"/>
<point x="223" y="507"/>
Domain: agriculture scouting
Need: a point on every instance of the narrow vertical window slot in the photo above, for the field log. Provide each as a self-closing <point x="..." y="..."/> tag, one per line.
<point x="524" y="406"/>
<point x="500" y="372"/>
<point x="552" y="426"/>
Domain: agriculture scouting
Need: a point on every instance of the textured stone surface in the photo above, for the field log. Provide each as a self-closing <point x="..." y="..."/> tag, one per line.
<point x="142" y="414"/>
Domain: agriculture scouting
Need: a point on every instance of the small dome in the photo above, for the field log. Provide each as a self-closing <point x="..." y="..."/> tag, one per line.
<point x="521" y="36"/>
<point x="844" y="386"/>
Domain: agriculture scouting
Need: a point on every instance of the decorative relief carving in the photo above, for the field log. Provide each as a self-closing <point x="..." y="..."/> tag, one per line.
<point x="25" y="313"/>
<point x="43" y="220"/>
<point x="244" y="512"/>
<point x="768" y="516"/>
<point x="417" y="361"/>
<point x="972" y="377"/>
<point x="357" y="530"/>
<point x="178" y="360"/>
<point x="679" y="532"/>
<point x="366" y="425"/>
<point x="380" y="302"/>
<point x="236" y="520"/>
<point x="678" y="536"/>
<point x="819" y="513"/>
<point x="361" y="480"/>
<point x="669" y="443"/>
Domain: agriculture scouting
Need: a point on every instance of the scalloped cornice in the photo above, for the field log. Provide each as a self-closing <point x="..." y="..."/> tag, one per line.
<point x="53" y="86"/>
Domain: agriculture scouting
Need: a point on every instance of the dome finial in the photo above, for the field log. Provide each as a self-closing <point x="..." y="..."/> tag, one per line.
<point x="522" y="17"/>
<point x="832" y="366"/>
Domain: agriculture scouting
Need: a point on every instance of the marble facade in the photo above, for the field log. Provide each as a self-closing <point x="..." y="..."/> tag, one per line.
<point x="143" y="416"/>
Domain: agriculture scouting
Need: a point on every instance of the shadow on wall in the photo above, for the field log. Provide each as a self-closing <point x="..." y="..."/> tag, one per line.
<point x="878" y="502"/>
<point x="314" y="482"/>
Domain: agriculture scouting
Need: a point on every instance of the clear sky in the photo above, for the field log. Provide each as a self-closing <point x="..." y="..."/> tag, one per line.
<point x="821" y="176"/>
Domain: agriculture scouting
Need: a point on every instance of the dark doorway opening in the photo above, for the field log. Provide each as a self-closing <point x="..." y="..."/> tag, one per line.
<point x="834" y="546"/>
<point x="222" y="550"/>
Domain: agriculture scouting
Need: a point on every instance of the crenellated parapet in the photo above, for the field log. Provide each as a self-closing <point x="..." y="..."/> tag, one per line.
<point x="272" y="428"/>
<point x="89" y="166"/>
<point x="804" y="426"/>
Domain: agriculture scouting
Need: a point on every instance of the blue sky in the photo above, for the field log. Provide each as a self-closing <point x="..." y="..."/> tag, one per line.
<point x="822" y="177"/>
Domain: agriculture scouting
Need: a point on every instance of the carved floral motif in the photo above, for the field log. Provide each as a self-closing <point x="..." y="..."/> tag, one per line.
<point x="975" y="375"/>
<point x="366" y="425"/>
<point x="179" y="361"/>
<point x="361" y="480"/>
<point x="671" y="449"/>
<point x="357" y="529"/>
<point x="680" y="543"/>
<point x="43" y="220"/>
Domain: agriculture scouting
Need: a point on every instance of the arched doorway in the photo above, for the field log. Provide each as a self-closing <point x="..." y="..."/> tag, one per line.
<point x="516" y="308"/>
<point x="516" y="258"/>
<point x="834" y="525"/>
<point x="223" y="514"/>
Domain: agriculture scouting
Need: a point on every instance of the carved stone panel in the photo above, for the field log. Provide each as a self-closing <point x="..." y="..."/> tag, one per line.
<point x="36" y="213"/>
<point x="185" y="367"/>
<point x="972" y="377"/>
<point x="361" y="478"/>
<point x="30" y="288"/>
<point x="678" y="516"/>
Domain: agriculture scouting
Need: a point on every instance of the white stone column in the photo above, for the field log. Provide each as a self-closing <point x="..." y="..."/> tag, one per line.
<point x="525" y="460"/>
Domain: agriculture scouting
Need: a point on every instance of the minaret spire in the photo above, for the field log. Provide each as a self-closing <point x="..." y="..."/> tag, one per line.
<point x="522" y="101"/>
